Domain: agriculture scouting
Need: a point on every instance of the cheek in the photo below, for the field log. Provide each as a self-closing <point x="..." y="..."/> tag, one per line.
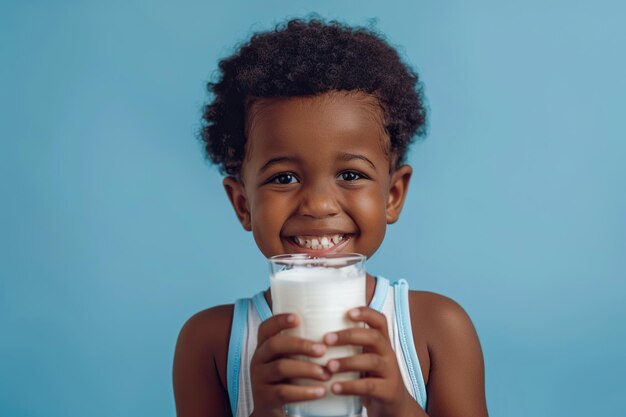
<point x="370" y="207"/>
<point x="264" y="209"/>
<point x="267" y="223"/>
<point x="369" y="213"/>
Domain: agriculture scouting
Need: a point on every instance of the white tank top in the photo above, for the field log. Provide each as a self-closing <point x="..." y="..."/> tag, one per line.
<point x="390" y="299"/>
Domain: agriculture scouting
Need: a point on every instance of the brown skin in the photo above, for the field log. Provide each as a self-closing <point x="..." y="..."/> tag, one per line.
<point x="319" y="166"/>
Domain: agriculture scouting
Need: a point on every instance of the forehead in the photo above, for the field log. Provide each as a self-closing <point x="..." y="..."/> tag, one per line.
<point x="322" y="124"/>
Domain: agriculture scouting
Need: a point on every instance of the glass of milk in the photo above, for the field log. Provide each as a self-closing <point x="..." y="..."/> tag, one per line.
<point x="321" y="291"/>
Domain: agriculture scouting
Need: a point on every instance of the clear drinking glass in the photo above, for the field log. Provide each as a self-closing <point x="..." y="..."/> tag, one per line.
<point x="320" y="290"/>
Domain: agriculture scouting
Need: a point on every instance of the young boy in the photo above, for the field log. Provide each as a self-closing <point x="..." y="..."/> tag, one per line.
<point x="311" y="124"/>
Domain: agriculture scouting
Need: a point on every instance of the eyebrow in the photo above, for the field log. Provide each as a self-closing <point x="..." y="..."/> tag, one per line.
<point x="342" y="157"/>
<point x="274" y="161"/>
<point x="352" y="156"/>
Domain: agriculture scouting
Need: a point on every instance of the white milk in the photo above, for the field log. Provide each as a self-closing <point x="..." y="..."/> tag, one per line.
<point x="322" y="297"/>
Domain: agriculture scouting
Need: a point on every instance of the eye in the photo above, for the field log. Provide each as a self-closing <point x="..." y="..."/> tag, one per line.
<point x="284" y="178"/>
<point x="350" y="176"/>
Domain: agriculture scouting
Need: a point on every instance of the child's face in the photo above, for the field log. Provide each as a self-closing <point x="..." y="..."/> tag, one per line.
<point x="316" y="178"/>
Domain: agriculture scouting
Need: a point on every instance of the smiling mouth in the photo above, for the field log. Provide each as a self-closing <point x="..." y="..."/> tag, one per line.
<point x="321" y="242"/>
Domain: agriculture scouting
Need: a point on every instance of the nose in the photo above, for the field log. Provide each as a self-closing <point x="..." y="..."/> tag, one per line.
<point x="318" y="201"/>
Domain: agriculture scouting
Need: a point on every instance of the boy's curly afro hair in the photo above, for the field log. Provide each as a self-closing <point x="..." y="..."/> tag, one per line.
<point x="306" y="58"/>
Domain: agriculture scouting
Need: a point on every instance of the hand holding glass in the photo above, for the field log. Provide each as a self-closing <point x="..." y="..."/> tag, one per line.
<point x="321" y="291"/>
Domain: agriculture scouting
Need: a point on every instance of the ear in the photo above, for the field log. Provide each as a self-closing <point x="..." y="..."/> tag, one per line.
<point x="237" y="197"/>
<point x="398" y="188"/>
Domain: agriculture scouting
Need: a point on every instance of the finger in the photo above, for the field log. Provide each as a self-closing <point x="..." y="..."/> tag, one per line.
<point x="284" y="369"/>
<point x="281" y="345"/>
<point x="365" y="387"/>
<point x="374" y="319"/>
<point x="374" y="365"/>
<point x="275" y="325"/>
<point x="287" y="393"/>
<point x="371" y="339"/>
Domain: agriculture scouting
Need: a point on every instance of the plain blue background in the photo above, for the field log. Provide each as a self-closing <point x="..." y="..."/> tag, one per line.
<point x="114" y="230"/>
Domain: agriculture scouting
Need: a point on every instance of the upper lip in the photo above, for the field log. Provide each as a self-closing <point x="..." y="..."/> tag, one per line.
<point x="317" y="232"/>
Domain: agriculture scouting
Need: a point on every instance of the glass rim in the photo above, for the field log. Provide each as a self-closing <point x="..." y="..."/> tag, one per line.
<point x="305" y="258"/>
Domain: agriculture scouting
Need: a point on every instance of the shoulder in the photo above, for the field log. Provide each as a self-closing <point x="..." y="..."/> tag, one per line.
<point x="205" y="334"/>
<point x="439" y="313"/>
<point x="199" y="368"/>
<point x="214" y="318"/>
<point x="455" y="359"/>
<point x="436" y="320"/>
<point x="442" y="322"/>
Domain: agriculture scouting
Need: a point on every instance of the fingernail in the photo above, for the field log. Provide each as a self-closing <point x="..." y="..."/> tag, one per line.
<point x="330" y="338"/>
<point x="318" y="348"/>
<point x="291" y="318"/>
<point x="318" y="392"/>
<point x="336" y="388"/>
<point x="354" y="313"/>
<point x="333" y="366"/>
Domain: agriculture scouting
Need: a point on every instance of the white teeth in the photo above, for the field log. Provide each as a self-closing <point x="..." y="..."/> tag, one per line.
<point x="320" y="242"/>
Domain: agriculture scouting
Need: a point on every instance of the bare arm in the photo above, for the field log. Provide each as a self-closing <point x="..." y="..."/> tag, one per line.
<point x="200" y="363"/>
<point x="456" y="384"/>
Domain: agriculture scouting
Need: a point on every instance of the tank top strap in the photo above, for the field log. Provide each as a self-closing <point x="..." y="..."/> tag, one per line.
<point x="233" y="364"/>
<point x="261" y="307"/>
<point x="380" y="294"/>
<point x="405" y="333"/>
